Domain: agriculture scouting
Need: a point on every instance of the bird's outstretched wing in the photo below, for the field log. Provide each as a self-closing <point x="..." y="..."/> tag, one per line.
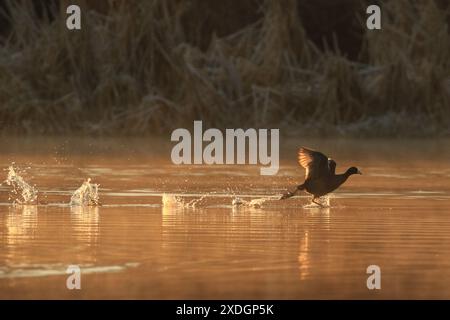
<point x="317" y="164"/>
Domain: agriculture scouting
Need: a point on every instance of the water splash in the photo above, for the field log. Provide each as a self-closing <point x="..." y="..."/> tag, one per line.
<point x="170" y="200"/>
<point x="254" y="203"/>
<point x="86" y="195"/>
<point x="22" y="192"/>
<point x="324" y="201"/>
<point x="237" y="202"/>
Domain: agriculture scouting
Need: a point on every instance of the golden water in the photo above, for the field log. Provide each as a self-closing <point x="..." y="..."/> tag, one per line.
<point x="166" y="231"/>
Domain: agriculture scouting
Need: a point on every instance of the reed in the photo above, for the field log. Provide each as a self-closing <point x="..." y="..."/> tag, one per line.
<point x="138" y="67"/>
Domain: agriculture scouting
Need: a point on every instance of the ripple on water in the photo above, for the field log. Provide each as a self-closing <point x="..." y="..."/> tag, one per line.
<point x="44" y="270"/>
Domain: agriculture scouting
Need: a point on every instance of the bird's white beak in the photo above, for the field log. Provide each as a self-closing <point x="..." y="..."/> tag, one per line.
<point x="359" y="172"/>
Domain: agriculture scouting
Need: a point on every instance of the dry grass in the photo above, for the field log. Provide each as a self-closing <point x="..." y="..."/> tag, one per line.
<point x="132" y="70"/>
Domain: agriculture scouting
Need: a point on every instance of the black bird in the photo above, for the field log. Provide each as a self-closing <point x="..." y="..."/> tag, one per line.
<point x="320" y="177"/>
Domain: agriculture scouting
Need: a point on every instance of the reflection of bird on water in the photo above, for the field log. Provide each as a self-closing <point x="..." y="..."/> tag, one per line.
<point x="320" y="177"/>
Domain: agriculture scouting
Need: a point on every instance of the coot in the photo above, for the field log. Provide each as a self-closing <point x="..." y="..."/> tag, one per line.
<point x="320" y="177"/>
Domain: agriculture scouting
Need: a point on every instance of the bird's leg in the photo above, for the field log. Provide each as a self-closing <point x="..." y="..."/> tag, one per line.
<point x="318" y="203"/>
<point x="289" y="194"/>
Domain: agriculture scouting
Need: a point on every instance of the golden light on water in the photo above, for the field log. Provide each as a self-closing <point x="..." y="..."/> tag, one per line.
<point x="157" y="230"/>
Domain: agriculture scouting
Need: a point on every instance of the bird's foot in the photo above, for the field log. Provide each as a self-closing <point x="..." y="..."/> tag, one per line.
<point x="321" y="202"/>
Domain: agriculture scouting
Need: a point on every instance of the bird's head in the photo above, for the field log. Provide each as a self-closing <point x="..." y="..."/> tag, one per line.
<point x="353" y="170"/>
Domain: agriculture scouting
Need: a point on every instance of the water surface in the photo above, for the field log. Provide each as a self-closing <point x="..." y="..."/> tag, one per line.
<point x="166" y="231"/>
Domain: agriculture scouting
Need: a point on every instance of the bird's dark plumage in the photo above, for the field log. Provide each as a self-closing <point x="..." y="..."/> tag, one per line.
<point x="320" y="177"/>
